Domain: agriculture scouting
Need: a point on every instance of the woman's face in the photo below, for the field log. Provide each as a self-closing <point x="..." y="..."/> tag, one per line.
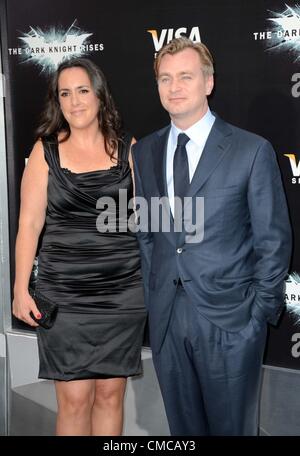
<point x="77" y="98"/>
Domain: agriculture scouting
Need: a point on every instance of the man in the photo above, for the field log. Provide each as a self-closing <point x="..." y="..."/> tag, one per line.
<point x="209" y="298"/>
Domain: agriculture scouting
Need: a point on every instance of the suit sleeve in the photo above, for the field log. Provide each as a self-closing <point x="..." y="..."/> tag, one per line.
<point x="144" y="234"/>
<point x="271" y="233"/>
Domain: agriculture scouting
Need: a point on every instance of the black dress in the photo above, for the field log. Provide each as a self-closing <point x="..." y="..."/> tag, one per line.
<point x="94" y="276"/>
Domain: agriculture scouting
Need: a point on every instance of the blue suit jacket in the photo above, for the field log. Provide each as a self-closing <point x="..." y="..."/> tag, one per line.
<point x="238" y="269"/>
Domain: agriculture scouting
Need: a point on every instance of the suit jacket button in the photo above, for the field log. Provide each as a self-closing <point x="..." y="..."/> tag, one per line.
<point x="175" y="282"/>
<point x="179" y="250"/>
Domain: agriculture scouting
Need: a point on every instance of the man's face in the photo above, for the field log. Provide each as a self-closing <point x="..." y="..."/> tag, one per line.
<point x="183" y="87"/>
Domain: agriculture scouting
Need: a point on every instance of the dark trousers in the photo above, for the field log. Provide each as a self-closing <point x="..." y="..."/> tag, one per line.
<point x="209" y="378"/>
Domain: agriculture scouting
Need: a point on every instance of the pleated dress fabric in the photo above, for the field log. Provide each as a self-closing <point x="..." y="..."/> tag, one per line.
<point x="94" y="276"/>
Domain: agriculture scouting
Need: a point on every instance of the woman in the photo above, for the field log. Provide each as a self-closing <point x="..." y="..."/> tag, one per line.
<point x="95" y="342"/>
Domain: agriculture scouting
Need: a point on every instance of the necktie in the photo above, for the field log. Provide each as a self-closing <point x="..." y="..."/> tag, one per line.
<point x="180" y="174"/>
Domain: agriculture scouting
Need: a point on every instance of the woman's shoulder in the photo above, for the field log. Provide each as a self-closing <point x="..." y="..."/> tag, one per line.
<point x="37" y="151"/>
<point x="37" y="159"/>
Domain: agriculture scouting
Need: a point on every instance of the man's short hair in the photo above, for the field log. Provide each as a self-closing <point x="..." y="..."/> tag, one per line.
<point x="179" y="44"/>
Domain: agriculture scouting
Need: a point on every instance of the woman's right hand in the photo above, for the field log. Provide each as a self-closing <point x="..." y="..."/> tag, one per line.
<point x="23" y="304"/>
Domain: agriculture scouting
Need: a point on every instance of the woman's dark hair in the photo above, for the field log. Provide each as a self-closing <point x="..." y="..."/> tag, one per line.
<point x="53" y="121"/>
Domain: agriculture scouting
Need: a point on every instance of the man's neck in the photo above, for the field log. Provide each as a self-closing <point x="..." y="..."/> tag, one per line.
<point x="185" y="123"/>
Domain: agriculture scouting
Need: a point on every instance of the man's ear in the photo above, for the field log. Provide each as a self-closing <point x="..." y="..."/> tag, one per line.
<point x="209" y="84"/>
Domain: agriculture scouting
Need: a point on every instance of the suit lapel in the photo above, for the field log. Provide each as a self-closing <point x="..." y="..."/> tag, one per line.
<point x="217" y="144"/>
<point x="159" y="153"/>
<point x="214" y="150"/>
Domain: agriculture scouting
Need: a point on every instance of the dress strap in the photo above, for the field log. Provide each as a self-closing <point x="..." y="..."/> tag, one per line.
<point x="125" y="147"/>
<point x="50" y="150"/>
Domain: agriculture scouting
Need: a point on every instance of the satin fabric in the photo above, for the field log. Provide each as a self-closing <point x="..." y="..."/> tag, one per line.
<point x="94" y="277"/>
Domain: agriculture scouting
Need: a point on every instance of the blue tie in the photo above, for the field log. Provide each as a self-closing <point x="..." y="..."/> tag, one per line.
<point x="181" y="171"/>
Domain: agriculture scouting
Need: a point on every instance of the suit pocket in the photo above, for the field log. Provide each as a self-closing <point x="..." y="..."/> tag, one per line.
<point x="233" y="190"/>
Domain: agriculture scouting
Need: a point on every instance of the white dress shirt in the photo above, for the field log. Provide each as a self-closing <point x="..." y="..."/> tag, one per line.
<point x="198" y="134"/>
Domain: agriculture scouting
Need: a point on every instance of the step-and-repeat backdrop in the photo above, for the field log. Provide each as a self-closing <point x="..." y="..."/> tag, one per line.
<point x="256" y="47"/>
